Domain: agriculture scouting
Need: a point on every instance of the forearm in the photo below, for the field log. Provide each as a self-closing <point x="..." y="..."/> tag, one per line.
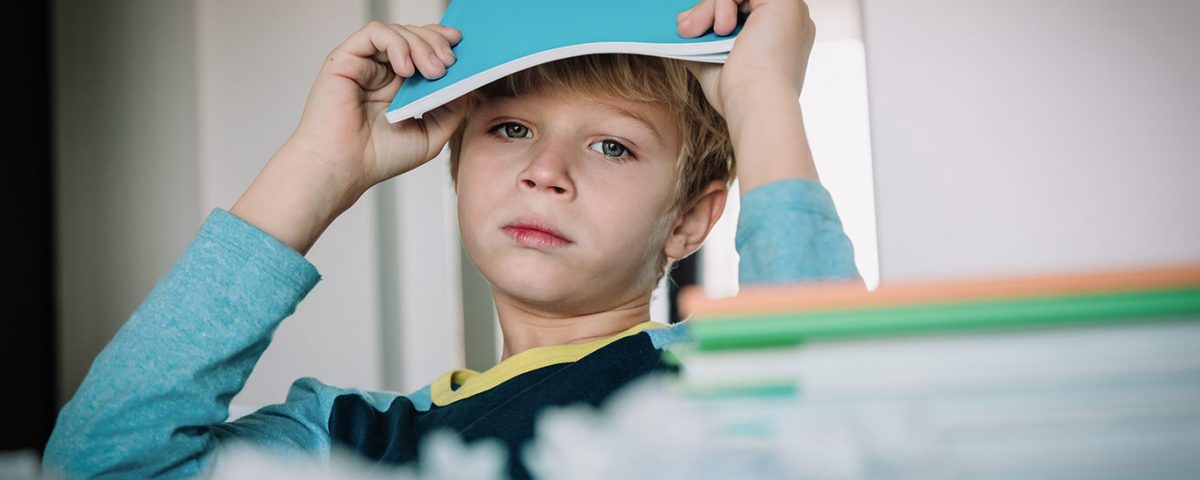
<point x="766" y="127"/>
<point x="294" y="199"/>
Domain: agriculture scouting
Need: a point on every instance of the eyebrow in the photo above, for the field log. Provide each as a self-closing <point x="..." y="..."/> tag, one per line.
<point x="634" y="116"/>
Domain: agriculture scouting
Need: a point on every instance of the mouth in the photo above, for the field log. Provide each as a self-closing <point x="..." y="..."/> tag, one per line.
<point x="536" y="232"/>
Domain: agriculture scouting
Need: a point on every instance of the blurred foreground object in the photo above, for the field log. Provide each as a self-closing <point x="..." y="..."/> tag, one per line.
<point x="442" y="456"/>
<point x="1066" y="376"/>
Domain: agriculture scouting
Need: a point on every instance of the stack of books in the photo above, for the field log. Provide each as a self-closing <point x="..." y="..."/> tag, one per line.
<point x="1091" y="375"/>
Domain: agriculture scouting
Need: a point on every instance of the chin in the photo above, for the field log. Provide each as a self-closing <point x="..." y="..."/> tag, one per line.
<point x="531" y="282"/>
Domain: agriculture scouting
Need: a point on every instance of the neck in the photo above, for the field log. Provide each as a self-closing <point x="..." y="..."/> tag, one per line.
<point x="525" y="327"/>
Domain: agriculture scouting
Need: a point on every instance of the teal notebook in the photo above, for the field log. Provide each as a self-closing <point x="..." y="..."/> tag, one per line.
<point x="499" y="38"/>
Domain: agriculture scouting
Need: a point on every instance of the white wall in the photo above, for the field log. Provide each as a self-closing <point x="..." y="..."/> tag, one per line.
<point x="1033" y="136"/>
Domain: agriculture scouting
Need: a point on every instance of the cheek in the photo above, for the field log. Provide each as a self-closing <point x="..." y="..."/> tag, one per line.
<point x="475" y="172"/>
<point x="472" y="198"/>
<point x="634" y="220"/>
<point x="479" y="167"/>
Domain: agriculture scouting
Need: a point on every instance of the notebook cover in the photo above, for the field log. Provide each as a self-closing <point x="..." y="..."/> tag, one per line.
<point x="499" y="38"/>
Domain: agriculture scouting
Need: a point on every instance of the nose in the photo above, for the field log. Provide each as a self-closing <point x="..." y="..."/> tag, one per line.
<point x="548" y="172"/>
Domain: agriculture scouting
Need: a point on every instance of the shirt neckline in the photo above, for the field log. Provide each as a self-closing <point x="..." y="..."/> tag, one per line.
<point x="471" y="382"/>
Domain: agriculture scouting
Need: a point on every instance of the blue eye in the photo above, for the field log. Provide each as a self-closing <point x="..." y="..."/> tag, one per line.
<point x="513" y="130"/>
<point x="611" y="148"/>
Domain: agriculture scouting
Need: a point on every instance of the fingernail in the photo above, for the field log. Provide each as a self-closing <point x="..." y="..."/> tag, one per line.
<point x="439" y="63"/>
<point x="408" y="67"/>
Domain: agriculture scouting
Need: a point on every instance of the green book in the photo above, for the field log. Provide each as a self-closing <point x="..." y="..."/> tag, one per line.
<point x="765" y="330"/>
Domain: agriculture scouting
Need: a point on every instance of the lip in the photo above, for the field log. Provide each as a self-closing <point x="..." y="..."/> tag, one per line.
<point x="535" y="231"/>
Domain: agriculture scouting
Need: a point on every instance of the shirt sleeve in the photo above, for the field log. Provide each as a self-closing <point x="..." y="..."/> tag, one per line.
<point x="155" y="400"/>
<point x="789" y="231"/>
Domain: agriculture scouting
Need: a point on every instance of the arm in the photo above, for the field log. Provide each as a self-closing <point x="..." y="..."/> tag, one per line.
<point x="152" y="404"/>
<point x="788" y="229"/>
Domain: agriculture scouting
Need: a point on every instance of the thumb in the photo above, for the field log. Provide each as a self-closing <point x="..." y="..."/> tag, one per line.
<point x="708" y="75"/>
<point x="441" y="122"/>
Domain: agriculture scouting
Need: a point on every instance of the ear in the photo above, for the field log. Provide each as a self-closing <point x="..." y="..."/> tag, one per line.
<point x="695" y="220"/>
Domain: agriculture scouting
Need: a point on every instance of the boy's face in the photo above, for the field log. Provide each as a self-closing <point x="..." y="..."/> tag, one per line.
<point x="601" y="178"/>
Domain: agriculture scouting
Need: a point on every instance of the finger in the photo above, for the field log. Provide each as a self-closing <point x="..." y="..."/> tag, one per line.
<point x="368" y="74"/>
<point x="726" y="17"/>
<point x="362" y="54"/>
<point x="699" y="21"/>
<point x="690" y="65"/>
<point x="441" y="123"/>
<point x="680" y="16"/>
<point x="426" y="60"/>
<point x="440" y="44"/>
<point x="452" y="34"/>
<point x="707" y="75"/>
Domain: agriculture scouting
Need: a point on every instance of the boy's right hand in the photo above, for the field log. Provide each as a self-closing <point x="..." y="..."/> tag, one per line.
<point x="344" y="144"/>
<point x="343" y="124"/>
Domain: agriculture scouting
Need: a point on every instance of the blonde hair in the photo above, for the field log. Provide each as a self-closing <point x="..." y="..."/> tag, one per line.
<point x="706" y="153"/>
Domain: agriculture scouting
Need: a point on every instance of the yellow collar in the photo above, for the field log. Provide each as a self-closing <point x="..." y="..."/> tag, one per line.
<point x="471" y="382"/>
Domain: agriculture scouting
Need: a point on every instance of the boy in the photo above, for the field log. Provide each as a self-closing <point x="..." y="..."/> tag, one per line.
<point x="579" y="183"/>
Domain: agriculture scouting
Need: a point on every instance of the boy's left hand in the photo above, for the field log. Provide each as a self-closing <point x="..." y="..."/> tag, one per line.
<point x="769" y="57"/>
